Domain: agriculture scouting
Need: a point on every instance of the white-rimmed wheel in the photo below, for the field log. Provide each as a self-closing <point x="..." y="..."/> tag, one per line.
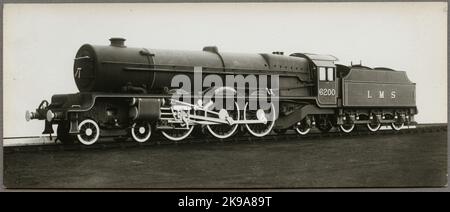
<point x="302" y="127"/>
<point x="373" y="126"/>
<point x="267" y="116"/>
<point x="89" y="132"/>
<point x="180" y="127"/>
<point x="397" y="126"/>
<point x="178" y="133"/>
<point x="141" y="131"/>
<point x="223" y="131"/>
<point x="347" y="128"/>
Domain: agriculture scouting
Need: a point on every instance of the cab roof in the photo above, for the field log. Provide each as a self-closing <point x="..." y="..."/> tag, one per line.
<point x="318" y="59"/>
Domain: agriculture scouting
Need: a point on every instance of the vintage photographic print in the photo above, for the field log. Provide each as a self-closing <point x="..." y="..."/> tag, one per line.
<point x="225" y="95"/>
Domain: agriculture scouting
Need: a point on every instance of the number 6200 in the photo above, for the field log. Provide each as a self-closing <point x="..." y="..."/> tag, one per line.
<point x="327" y="92"/>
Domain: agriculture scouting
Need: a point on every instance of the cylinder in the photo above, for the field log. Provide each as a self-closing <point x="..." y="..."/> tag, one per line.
<point x="146" y="109"/>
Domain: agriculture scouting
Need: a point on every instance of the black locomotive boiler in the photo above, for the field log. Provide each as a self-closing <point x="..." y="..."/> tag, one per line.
<point x="128" y="91"/>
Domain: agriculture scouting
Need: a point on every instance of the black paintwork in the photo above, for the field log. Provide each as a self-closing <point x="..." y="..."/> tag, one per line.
<point x="110" y="77"/>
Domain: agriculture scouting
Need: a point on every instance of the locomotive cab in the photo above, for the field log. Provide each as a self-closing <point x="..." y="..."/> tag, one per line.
<point x="326" y="85"/>
<point x="324" y="72"/>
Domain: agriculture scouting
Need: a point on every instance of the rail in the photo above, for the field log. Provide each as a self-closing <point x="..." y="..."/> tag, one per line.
<point x="157" y="139"/>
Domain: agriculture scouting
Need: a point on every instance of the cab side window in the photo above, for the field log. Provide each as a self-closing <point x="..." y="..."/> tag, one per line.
<point x="322" y="74"/>
<point x="330" y="74"/>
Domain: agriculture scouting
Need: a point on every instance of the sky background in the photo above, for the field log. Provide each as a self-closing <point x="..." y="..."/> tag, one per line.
<point x="40" y="42"/>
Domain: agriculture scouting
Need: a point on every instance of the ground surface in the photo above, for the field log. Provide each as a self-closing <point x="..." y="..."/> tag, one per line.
<point x="403" y="160"/>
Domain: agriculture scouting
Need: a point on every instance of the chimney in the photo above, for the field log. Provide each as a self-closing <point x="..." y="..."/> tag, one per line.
<point x="117" y="42"/>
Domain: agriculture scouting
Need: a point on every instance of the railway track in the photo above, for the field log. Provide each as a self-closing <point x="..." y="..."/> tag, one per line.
<point x="159" y="140"/>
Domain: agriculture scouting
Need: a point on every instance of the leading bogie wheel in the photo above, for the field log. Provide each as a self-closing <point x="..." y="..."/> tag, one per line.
<point x="141" y="131"/>
<point x="89" y="132"/>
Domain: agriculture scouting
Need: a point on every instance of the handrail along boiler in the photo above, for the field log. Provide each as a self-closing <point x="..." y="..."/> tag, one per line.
<point x="127" y="91"/>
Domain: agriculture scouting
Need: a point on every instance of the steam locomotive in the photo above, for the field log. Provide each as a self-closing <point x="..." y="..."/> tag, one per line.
<point x="130" y="92"/>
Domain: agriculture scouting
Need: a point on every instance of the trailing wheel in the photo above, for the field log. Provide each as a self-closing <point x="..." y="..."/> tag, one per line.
<point x="89" y="132"/>
<point x="141" y="131"/>
<point x="303" y="127"/>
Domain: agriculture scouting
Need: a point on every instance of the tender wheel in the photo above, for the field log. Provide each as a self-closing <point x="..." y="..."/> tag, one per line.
<point x="347" y="128"/>
<point x="63" y="133"/>
<point x="177" y="134"/>
<point x="223" y="131"/>
<point x="397" y="126"/>
<point x="302" y="127"/>
<point x="141" y="131"/>
<point x="373" y="127"/>
<point x="89" y="132"/>
<point x="260" y="130"/>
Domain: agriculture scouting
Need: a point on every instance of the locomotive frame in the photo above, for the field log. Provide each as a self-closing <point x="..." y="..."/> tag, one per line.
<point x="127" y="91"/>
